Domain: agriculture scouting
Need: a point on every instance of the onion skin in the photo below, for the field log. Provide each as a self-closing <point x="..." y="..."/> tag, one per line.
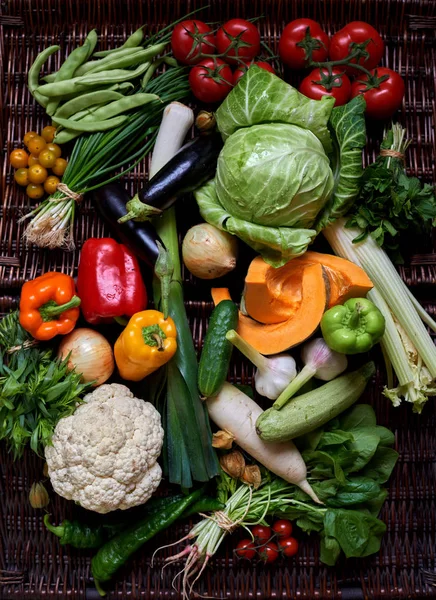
<point x="90" y="354"/>
<point x="208" y="252"/>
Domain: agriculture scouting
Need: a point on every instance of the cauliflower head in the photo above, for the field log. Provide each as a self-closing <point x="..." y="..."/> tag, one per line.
<point x="104" y="456"/>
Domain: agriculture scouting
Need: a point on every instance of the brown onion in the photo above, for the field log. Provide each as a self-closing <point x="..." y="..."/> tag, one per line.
<point x="90" y="354"/>
<point x="208" y="252"/>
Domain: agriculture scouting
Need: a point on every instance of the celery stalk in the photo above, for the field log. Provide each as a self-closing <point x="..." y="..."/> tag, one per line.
<point x="406" y="341"/>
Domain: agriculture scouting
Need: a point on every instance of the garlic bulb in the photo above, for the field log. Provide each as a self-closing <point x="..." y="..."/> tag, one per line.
<point x="273" y="373"/>
<point x="320" y="362"/>
<point x="208" y="252"/>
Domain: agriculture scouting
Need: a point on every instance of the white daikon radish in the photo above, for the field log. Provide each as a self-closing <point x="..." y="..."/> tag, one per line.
<point x="234" y="411"/>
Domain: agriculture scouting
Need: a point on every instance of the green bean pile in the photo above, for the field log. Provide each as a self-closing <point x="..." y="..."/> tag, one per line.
<point x="89" y="95"/>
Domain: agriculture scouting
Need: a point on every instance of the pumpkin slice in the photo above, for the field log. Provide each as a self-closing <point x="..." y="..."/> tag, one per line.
<point x="274" y="338"/>
<point x="272" y="295"/>
<point x="219" y="294"/>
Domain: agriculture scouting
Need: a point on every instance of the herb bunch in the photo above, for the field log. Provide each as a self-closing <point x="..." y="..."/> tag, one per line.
<point x="390" y="202"/>
<point x="36" y="389"/>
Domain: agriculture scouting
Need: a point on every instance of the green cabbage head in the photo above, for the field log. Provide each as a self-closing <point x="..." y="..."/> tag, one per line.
<point x="274" y="174"/>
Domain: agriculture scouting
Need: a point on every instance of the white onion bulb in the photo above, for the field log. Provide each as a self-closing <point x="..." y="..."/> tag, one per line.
<point x="208" y="252"/>
<point x="90" y="354"/>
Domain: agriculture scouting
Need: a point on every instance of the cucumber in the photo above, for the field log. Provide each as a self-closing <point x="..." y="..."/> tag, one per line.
<point x="313" y="409"/>
<point x="217" y="350"/>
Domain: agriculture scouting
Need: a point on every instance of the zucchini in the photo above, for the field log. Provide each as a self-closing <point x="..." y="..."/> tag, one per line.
<point x="217" y="350"/>
<point x="313" y="409"/>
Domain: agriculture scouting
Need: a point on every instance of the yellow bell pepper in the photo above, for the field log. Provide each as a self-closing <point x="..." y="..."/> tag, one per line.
<point x="147" y="343"/>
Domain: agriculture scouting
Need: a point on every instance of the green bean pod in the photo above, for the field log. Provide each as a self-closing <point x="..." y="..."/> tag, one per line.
<point x="126" y="103"/>
<point x="102" y="64"/>
<point x="74" y="60"/>
<point x="88" y="127"/>
<point x="84" y="101"/>
<point x="132" y="41"/>
<point x="77" y="84"/>
<point x="118" y="550"/>
<point x="134" y="58"/>
<point x="33" y="75"/>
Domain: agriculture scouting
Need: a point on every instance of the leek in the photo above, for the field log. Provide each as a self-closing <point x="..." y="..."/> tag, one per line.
<point x="188" y="455"/>
<point x="406" y="342"/>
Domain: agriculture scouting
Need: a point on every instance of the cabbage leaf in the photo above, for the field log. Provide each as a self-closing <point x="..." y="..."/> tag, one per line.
<point x="261" y="97"/>
<point x="347" y="124"/>
<point x="277" y="245"/>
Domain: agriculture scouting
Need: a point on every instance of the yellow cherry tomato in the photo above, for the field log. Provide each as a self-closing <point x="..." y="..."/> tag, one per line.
<point x="51" y="184"/>
<point x="28" y="136"/>
<point x="59" y="166"/>
<point x="37" y="174"/>
<point x="18" y="158"/>
<point x="35" y="191"/>
<point x="33" y="160"/>
<point x="36" y="145"/>
<point x="47" y="159"/>
<point x="48" y="133"/>
<point x="56" y="149"/>
<point x="21" y="176"/>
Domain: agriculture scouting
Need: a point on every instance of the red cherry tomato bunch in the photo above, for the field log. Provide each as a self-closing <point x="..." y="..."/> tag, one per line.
<point x="352" y="53"/>
<point x="268" y="542"/>
<point x="212" y="54"/>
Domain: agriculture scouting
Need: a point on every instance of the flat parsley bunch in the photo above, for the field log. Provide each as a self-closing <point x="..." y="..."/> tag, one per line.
<point x="390" y="202"/>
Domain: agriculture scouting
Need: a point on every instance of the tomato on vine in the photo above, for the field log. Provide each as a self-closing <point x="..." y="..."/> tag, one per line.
<point x="269" y="553"/>
<point x="242" y="69"/>
<point x="190" y="39"/>
<point x="303" y="40"/>
<point x="245" y="549"/>
<point x="383" y="91"/>
<point x="238" y="39"/>
<point x="288" y="546"/>
<point x="282" y="528"/>
<point x="321" y="83"/>
<point x="360" y="38"/>
<point x="211" y="80"/>
<point x="261" y="533"/>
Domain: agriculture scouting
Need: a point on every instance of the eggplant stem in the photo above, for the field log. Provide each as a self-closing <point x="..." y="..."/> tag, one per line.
<point x="139" y="211"/>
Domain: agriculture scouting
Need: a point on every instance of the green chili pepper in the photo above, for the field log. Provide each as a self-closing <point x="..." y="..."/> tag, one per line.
<point x="132" y="41"/>
<point x="78" y="535"/>
<point x="203" y="505"/>
<point x="353" y="327"/>
<point x="118" y="550"/>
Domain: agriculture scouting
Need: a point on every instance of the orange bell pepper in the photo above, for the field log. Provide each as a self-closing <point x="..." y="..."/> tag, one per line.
<point x="48" y="306"/>
<point x="147" y="343"/>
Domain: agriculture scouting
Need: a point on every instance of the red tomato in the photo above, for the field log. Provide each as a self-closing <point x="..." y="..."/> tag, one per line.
<point x="190" y="39"/>
<point x="241" y="70"/>
<point x="298" y="39"/>
<point x="288" y="546"/>
<point x="381" y="101"/>
<point x="319" y="83"/>
<point x="269" y="553"/>
<point x="261" y="533"/>
<point x="282" y="528"/>
<point x="361" y="35"/>
<point x="238" y="38"/>
<point x="211" y="80"/>
<point x="245" y="549"/>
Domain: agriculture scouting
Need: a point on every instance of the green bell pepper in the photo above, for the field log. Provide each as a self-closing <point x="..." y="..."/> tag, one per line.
<point x="354" y="327"/>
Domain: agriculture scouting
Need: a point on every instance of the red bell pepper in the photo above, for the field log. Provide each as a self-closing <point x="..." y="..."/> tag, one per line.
<point x="109" y="281"/>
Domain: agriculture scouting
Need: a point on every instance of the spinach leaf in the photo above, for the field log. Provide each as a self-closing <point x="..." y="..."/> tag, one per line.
<point x="387" y="438"/>
<point x="357" y="533"/>
<point x="325" y="465"/>
<point x="366" y="441"/>
<point x="330" y="550"/>
<point x="356" y="490"/>
<point x="381" y="465"/>
<point x="374" y="505"/>
<point x="334" y="438"/>
<point x="362" y="415"/>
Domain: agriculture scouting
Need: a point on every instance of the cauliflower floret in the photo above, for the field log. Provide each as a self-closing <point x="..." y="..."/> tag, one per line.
<point x="104" y="456"/>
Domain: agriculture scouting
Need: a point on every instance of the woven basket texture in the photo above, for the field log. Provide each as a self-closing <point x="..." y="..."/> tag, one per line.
<point x="32" y="563"/>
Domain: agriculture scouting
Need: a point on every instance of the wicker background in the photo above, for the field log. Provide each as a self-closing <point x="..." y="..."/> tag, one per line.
<point x="32" y="564"/>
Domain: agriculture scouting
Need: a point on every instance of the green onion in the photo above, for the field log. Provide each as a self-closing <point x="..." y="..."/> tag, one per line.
<point x="406" y="341"/>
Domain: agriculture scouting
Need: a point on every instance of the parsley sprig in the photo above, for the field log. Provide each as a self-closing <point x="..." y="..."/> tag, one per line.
<point x="390" y="202"/>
